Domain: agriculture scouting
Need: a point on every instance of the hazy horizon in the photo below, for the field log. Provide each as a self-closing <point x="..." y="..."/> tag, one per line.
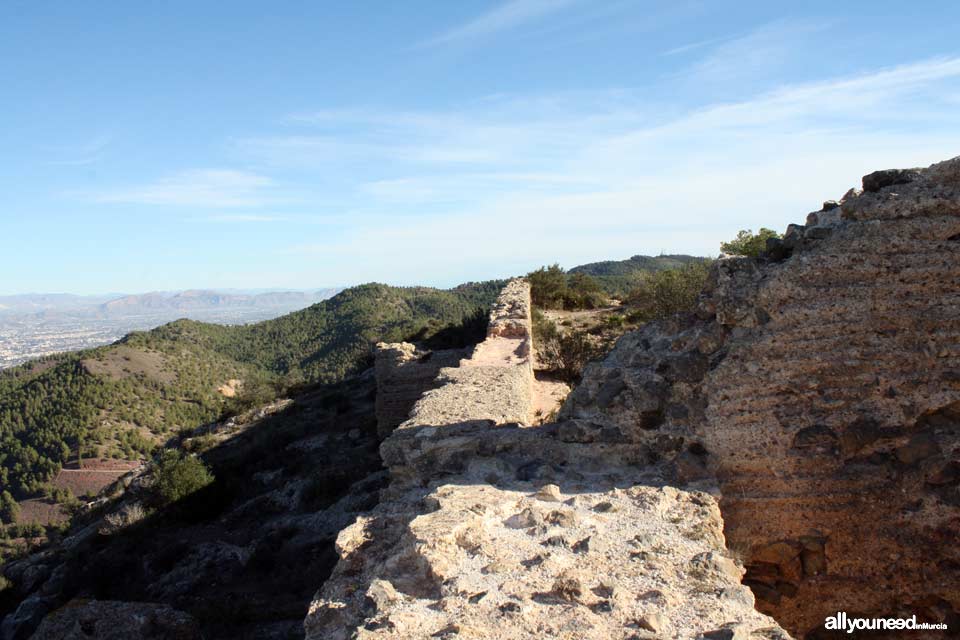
<point x="230" y="290"/>
<point x="311" y="288"/>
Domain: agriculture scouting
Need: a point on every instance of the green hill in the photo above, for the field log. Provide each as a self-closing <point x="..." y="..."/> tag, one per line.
<point x="122" y="400"/>
<point x="619" y="277"/>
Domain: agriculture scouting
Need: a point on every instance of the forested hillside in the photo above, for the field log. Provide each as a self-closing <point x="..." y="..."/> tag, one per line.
<point x="329" y="340"/>
<point x="619" y="277"/>
<point x="124" y="399"/>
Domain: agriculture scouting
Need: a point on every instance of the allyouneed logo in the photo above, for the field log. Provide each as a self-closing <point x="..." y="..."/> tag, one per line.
<point x="843" y="622"/>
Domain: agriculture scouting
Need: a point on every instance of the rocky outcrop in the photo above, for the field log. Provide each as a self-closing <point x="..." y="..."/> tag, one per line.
<point x="404" y="373"/>
<point x="492" y="529"/>
<point x="821" y="385"/>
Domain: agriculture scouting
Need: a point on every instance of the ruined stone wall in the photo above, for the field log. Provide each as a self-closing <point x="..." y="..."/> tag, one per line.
<point x="496" y="382"/>
<point x="821" y="384"/>
<point x="404" y="373"/>
<point x="491" y="529"/>
<point x="491" y="381"/>
<point x="815" y="392"/>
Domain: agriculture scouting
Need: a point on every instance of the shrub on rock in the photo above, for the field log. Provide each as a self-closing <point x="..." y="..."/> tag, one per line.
<point x="177" y="475"/>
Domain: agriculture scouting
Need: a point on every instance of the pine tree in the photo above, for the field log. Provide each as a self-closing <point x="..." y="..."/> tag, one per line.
<point x="9" y="509"/>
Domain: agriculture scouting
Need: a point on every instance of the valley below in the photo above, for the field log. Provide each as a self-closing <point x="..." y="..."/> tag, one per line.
<point x="32" y="326"/>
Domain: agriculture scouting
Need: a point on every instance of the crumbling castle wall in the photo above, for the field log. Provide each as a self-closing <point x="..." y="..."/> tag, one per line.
<point x="491" y="381"/>
<point x="496" y="382"/>
<point x="821" y="384"/>
<point x="404" y="373"/>
<point x="813" y="397"/>
<point x="494" y="529"/>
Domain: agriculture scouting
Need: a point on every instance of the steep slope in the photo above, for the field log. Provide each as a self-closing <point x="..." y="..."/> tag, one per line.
<point x="112" y="401"/>
<point x="239" y="559"/>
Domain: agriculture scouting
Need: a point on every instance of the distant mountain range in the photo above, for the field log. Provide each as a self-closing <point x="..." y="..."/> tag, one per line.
<point x="30" y="302"/>
<point x="34" y="325"/>
<point x="158" y="302"/>
<point x="199" y="299"/>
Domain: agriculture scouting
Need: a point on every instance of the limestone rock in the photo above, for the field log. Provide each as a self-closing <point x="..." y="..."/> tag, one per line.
<point x="475" y="538"/>
<point x="654" y="622"/>
<point x="888" y="177"/>
<point x="829" y="409"/>
<point x="549" y="493"/>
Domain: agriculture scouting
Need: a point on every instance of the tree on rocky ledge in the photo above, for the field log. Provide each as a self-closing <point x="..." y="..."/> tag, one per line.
<point x="748" y="243"/>
<point x="179" y="475"/>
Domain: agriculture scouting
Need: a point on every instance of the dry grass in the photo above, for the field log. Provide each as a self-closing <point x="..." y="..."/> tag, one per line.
<point x="129" y="515"/>
<point x="94" y="476"/>
<point x="41" y="511"/>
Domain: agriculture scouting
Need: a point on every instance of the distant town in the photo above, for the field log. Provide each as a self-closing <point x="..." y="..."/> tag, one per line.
<point x="38" y="325"/>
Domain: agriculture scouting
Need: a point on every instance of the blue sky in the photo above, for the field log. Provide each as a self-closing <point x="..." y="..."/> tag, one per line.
<point x="310" y="144"/>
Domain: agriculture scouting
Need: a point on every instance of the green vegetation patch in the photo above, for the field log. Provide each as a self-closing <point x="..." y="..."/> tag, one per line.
<point x="552" y="288"/>
<point x="178" y="475"/>
<point x="620" y="277"/>
<point x="748" y="243"/>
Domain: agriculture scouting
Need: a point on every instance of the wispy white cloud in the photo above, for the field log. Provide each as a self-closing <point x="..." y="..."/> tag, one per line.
<point x="692" y="46"/>
<point x="461" y="187"/>
<point x="576" y="138"/>
<point x="588" y="183"/>
<point x="213" y="188"/>
<point x="759" y="52"/>
<point x="83" y="154"/>
<point x="815" y="104"/>
<point x="508" y="15"/>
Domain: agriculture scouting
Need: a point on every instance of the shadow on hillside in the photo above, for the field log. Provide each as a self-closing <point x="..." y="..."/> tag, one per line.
<point x="244" y="555"/>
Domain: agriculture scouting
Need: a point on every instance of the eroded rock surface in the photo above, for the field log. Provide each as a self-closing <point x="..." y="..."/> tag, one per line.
<point x="513" y="533"/>
<point x="823" y="385"/>
<point x="491" y="529"/>
<point x="404" y="373"/>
